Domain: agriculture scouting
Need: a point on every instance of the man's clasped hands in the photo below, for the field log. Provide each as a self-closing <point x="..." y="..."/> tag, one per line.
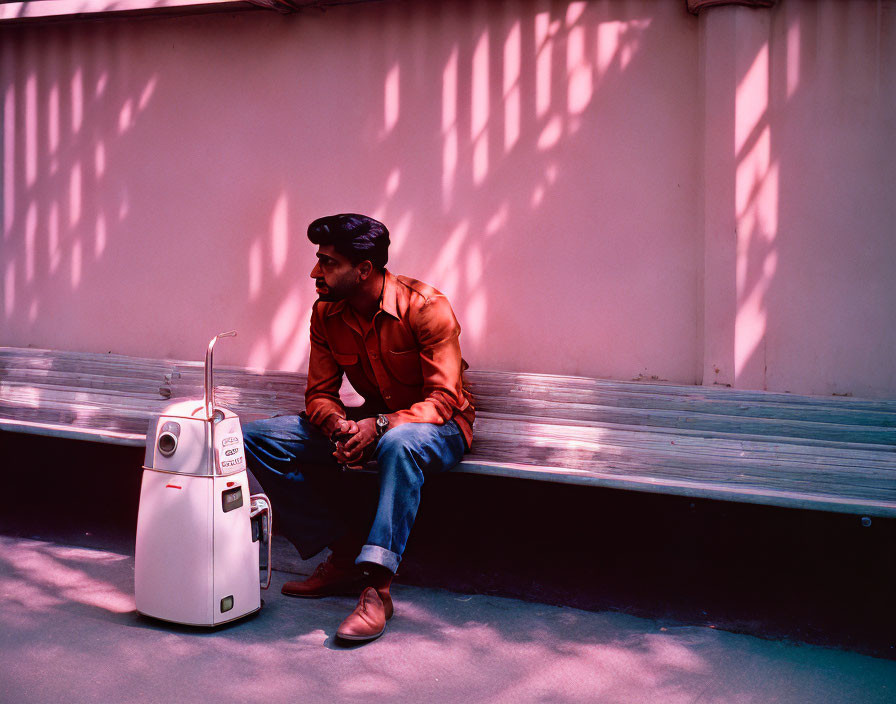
<point x="354" y="441"/>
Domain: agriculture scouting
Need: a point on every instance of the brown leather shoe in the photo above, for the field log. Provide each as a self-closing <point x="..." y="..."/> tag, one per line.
<point x="368" y="620"/>
<point x="331" y="578"/>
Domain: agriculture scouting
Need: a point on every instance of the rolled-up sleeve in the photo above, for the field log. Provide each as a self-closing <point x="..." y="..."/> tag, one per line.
<point x="437" y="332"/>
<point x="322" y="402"/>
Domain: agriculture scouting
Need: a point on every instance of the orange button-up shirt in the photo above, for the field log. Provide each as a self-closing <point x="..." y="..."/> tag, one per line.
<point x="407" y="362"/>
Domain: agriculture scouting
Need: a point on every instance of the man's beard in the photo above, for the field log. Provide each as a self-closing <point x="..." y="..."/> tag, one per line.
<point x="339" y="293"/>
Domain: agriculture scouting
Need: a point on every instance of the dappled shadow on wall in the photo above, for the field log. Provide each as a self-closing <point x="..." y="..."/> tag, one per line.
<point x="809" y="114"/>
<point x="69" y="113"/>
<point x="506" y="182"/>
<point x="457" y="129"/>
<point x="157" y="188"/>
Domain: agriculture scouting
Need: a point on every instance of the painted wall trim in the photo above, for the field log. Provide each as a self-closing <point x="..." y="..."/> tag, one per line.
<point x="48" y="10"/>
<point x="12" y="12"/>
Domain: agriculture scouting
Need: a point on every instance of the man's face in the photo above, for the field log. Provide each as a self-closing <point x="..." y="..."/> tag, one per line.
<point x="334" y="275"/>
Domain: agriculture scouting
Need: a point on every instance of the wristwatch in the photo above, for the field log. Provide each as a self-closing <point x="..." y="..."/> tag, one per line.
<point x="382" y="424"/>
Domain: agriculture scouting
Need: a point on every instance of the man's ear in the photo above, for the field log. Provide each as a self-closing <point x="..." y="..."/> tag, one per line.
<point x="365" y="269"/>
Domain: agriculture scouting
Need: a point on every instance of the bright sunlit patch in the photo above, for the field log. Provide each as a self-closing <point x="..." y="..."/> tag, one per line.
<point x="543" y="50"/>
<point x="393" y="182"/>
<point x="476" y="317"/>
<point x="757" y="225"/>
<point x="77" y="86"/>
<point x="607" y="43"/>
<point x="53" y="119"/>
<point x="630" y="47"/>
<point x="445" y="268"/>
<point x="581" y="80"/>
<point x="793" y="57"/>
<point x="369" y="684"/>
<point x="43" y="568"/>
<point x="74" y="195"/>
<point x="31" y="117"/>
<point x="751" y="172"/>
<point x="551" y="134"/>
<point x="449" y="167"/>
<point x="125" y="116"/>
<point x="30" y="241"/>
<point x="752" y="99"/>
<point x="101" y="83"/>
<point x="280" y="234"/>
<point x="498" y="220"/>
<point x="449" y="128"/>
<point x="574" y="12"/>
<point x="53" y="251"/>
<point x="512" y="62"/>
<point x="99" y="159"/>
<point x="449" y="92"/>
<point x="316" y="637"/>
<point x="9" y="153"/>
<point x="480" y="87"/>
<point x="617" y="41"/>
<point x="391" y="99"/>
<point x="146" y="95"/>
<point x="295" y="355"/>
<point x="285" y="320"/>
<point x="99" y="243"/>
<point x="19" y="591"/>
<point x="480" y="109"/>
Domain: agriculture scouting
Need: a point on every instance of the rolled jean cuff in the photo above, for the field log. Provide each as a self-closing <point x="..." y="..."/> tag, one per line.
<point x="379" y="556"/>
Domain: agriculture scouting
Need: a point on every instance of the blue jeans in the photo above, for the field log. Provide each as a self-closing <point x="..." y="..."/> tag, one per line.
<point x="316" y="503"/>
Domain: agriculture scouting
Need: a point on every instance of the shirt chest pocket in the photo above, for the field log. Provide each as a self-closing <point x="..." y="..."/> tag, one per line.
<point x="405" y="366"/>
<point x="345" y="360"/>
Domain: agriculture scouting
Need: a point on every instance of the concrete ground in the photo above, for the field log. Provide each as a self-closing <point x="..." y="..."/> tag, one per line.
<point x="69" y="632"/>
<point x="509" y="591"/>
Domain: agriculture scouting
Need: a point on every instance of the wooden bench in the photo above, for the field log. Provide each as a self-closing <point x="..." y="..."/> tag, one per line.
<point x="825" y="453"/>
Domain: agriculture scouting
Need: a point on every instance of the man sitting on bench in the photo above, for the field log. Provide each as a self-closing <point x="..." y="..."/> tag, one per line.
<point x="396" y="339"/>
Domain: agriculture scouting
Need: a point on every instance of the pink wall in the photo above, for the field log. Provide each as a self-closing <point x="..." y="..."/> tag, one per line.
<point x="800" y="252"/>
<point x="549" y="165"/>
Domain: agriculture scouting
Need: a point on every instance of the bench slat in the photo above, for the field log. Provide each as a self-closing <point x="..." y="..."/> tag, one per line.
<point x="99" y="382"/>
<point x="835" y="454"/>
<point x="111" y="398"/>
<point x="494" y="396"/>
<point x="576" y="412"/>
<point x="707" y="393"/>
<point x="107" y="364"/>
<point x="569" y="447"/>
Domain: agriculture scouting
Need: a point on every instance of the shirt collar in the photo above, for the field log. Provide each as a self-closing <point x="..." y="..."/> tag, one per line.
<point x="389" y="304"/>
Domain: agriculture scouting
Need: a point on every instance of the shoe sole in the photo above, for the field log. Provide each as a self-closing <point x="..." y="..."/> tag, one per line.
<point x="357" y="639"/>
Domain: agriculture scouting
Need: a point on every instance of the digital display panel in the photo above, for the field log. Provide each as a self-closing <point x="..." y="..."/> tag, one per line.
<point x="232" y="499"/>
